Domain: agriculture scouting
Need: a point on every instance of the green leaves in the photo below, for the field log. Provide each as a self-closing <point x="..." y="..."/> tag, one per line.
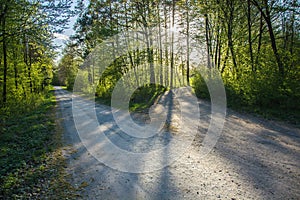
<point x="30" y="158"/>
<point x="26" y="33"/>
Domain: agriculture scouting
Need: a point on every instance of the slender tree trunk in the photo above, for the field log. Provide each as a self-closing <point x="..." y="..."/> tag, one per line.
<point x="172" y="45"/>
<point x="207" y="41"/>
<point x="111" y="22"/>
<point x="137" y="60"/>
<point x="267" y="16"/>
<point x="187" y="43"/>
<point x="230" y="40"/>
<point x="285" y="34"/>
<point x="250" y="35"/>
<point x="160" y="46"/>
<point x="259" y="39"/>
<point x="28" y="60"/>
<point x="149" y="42"/>
<point x="225" y="61"/>
<point x="15" y="68"/>
<point x="217" y="47"/>
<point x="151" y="59"/>
<point x="293" y="33"/>
<point x="274" y="46"/>
<point x="4" y="48"/>
<point x="166" y="45"/>
<point x="219" y="53"/>
<point x="29" y="71"/>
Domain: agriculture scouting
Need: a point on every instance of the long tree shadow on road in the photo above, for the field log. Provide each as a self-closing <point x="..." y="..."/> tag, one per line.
<point x="265" y="154"/>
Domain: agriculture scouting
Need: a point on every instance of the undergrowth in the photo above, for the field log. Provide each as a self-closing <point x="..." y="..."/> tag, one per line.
<point x="142" y="98"/>
<point x="32" y="165"/>
<point x="266" y="99"/>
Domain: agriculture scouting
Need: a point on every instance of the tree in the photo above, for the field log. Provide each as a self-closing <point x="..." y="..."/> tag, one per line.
<point x="264" y="8"/>
<point x="31" y="23"/>
<point x="251" y="43"/>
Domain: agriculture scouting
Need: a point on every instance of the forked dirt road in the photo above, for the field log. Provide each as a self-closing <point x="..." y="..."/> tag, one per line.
<point x="253" y="159"/>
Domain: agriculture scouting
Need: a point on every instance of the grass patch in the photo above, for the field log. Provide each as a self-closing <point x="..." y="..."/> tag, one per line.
<point x="32" y="165"/>
<point x="66" y="88"/>
<point x="105" y="101"/>
<point x="270" y="103"/>
<point x="279" y="114"/>
<point x="142" y="98"/>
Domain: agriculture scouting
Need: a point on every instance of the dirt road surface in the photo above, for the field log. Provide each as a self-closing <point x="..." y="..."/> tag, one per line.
<point x="253" y="159"/>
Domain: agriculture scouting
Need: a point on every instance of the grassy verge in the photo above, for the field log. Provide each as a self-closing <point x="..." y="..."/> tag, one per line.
<point x="141" y="100"/>
<point x="32" y="165"/>
<point x="269" y="105"/>
<point x="144" y="97"/>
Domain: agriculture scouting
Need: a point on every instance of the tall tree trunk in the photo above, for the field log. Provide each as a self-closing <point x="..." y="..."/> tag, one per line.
<point x="187" y="43"/>
<point x="208" y="44"/>
<point x="293" y="33"/>
<point x="273" y="43"/>
<point x="229" y="35"/>
<point x="267" y="16"/>
<point x="28" y="60"/>
<point x="111" y="23"/>
<point x="225" y="61"/>
<point x="259" y="39"/>
<point x="15" y="68"/>
<point x="219" y="53"/>
<point x="250" y="35"/>
<point x="149" y="43"/>
<point x="172" y="44"/>
<point x="166" y="45"/>
<point x="160" y="46"/>
<point x="217" y="47"/>
<point x="4" y="47"/>
<point x="29" y="71"/>
<point x="137" y="60"/>
<point x="151" y="58"/>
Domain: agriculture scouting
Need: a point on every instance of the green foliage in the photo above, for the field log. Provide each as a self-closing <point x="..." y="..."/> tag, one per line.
<point x="253" y="44"/>
<point x="200" y="86"/>
<point x="256" y="55"/>
<point x="67" y="69"/>
<point x="109" y="78"/>
<point x="30" y="158"/>
<point x="145" y="96"/>
<point x="20" y="104"/>
<point x="27" y="52"/>
<point x="261" y="93"/>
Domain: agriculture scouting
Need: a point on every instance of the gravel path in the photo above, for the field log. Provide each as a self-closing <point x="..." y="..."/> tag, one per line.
<point x="253" y="159"/>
